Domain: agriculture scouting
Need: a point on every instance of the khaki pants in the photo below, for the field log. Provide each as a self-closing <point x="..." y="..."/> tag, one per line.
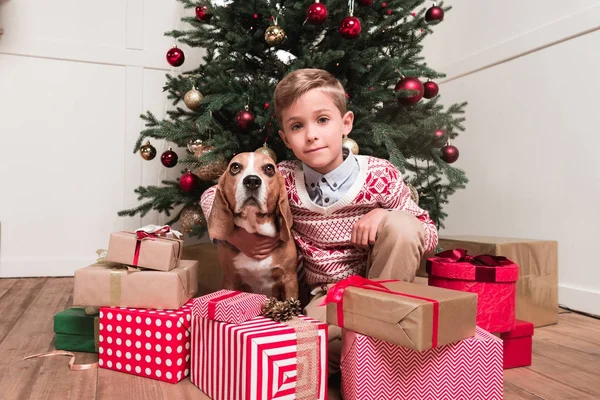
<point x="396" y="254"/>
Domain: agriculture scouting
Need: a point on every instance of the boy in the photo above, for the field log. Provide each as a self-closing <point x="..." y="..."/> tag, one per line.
<point x="352" y="214"/>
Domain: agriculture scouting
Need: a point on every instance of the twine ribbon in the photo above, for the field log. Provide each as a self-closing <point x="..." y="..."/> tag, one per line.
<point x="72" y="365"/>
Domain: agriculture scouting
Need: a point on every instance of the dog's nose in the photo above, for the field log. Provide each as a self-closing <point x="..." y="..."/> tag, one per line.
<point x="252" y="182"/>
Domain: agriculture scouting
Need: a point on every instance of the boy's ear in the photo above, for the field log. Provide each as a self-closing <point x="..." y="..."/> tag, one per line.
<point x="348" y="121"/>
<point x="284" y="138"/>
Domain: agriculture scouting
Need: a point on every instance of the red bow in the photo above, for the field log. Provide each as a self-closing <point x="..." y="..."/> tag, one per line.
<point x="335" y="294"/>
<point x="460" y="255"/>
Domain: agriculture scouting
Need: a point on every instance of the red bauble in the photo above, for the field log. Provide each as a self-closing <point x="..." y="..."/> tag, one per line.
<point x="244" y="118"/>
<point x="188" y="182"/>
<point x="434" y="14"/>
<point x="316" y="13"/>
<point x="431" y="89"/>
<point x="169" y="158"/>
<point x="439" y="133"/>
<point x="449" y="153"/>
<point x="410" y="83"/>
<point x="350" y="28"/>
<point x="203" y="13"/>
<point x="365" y="3"/>
<point x="175" y="56"/>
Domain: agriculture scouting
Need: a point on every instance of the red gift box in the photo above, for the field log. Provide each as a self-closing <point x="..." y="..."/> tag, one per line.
<point x="229" y="306"/>
<point x="150" y="343"/>
<point x="493" y="278"/>
<point x="260" y="359"/>
<point x="470" y="369"/>
<point x="518" y="345"/>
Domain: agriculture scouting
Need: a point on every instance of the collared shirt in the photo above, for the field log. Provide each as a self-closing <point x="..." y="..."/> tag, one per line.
<point x="324" y="190"/>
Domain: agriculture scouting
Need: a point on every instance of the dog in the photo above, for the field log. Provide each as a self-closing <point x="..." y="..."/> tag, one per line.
<point x="251" y="194"/>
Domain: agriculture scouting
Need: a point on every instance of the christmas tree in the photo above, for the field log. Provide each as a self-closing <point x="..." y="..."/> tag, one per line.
<point x="224" y="106"/>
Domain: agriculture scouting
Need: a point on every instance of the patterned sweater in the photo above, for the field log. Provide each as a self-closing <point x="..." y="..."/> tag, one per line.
<point x="322" y="234"/>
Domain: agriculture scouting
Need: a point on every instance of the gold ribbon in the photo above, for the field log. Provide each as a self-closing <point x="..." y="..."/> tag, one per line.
<point x="72" y="365"/>
<point x="307" y="355"/>
<point x="115" y="287"/>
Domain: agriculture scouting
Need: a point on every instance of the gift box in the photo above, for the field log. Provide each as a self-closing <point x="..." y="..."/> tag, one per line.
<point x="76" y="331"/>
<point x="407" y="314"/>
<point x="149" y="343"/>
<point x="260" y="359"/>
<point x="537" y="287"/>
<point x="518" y="345"/>
<point x="111" y="284"/>
<point x="377" y="370"/>
<point x="229" y="306"/>
<point x="493" y="278"/>
<point x="149" y="247"/>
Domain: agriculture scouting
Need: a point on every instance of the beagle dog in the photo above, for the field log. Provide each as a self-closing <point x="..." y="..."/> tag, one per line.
<point x="251" y="194"/>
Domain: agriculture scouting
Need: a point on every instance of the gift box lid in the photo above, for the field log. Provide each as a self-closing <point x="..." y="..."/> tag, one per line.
<point x="228" y="306"/>
<point x="456" y="264"/>
<point x="522" y="329"/>
<point x="74" y="321"/>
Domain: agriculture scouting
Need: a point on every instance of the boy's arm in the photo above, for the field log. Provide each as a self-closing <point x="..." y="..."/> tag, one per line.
<point x="399" y="198"/>
<point x="207" y="199"/>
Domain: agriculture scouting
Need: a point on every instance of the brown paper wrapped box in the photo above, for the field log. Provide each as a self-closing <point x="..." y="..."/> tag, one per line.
<point x="210" y="273"/>
<point x="111" y="284"/>
<point x="402" y="319"/>
<point x="537" y="287"/>
<point x="161" y="253"/>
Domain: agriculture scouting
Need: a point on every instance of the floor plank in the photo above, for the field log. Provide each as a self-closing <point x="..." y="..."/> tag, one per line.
<point x="512" y="392"/>
<point x="5" y="285"/>
<point x="114" y="385"/>
<point x="15" y="301"/>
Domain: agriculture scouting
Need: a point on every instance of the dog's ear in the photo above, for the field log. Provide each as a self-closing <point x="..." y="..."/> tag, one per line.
<point x="220" y="220"/>
<point x="284" y="212"/>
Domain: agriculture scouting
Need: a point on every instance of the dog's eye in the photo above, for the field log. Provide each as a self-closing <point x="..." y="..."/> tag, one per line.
<point x="269" y="169"/>
<point x="235" y="168"/>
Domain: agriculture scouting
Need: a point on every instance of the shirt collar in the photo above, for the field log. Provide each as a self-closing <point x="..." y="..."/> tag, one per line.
<point x="335" y="178"/>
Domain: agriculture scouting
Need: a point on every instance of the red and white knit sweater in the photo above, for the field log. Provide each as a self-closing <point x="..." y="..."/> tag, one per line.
<point x="323" y="233"/>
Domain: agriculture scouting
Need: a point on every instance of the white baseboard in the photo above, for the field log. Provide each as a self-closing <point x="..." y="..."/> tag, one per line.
<point x="579" y="299"/>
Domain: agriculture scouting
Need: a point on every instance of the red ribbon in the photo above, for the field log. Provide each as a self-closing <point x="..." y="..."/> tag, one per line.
<point x="142" y="235"/>
<point x="335" y="294"/>
<point x="212" y="303"/>
<point x="482" y="274"/>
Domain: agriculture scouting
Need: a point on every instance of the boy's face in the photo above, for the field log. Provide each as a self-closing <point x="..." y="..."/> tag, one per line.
<point x="312" y="127"/>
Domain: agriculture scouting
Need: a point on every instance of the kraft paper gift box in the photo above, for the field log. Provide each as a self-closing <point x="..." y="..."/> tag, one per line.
<point x="518" y="345"/>
<point x="377" y="370"/>
<point x="110" y="284"/>
<point x="229" y="306"/>
<point x="537" y="287"/>
<point x="493" y="278"/>
<point x="147" y="248"/>
<point x="407" y="314"/>
<point x="149" y="343"/>
<point x="76" y="331"/>
<point x="260" y="359"/>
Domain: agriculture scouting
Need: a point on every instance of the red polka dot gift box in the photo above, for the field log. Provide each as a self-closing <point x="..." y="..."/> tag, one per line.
<point x="146" y="342"/>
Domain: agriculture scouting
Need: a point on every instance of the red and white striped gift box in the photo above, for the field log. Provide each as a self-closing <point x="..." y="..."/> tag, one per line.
<point x="467" y="370"/>
<point x="259" y="360"/>
<point x="229" y="306"/>
<point x="150" y="343"/>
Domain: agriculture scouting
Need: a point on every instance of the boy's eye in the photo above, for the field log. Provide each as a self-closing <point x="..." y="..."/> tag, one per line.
<point x="323" y="120"/>
<point x="296" y="127"/>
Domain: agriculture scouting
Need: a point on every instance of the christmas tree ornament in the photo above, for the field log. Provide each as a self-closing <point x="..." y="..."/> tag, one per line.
<point x="350" y="27"/>
<point x="175" y="56"/>
<point x="449" y="153"/>
<point x="147" y="151"/>
<point x="266" y="150"/>
<point x="316" y="13"/>
<point x="350" y="145"/>
<point x="203" y="13"/>
<point x="244" y="118"/>
<point x="410" y="83"/>
<point x="212" y="170"/>
<point x="194" y="144"/>
<point x="365" y="3"/>
<point x="193" y="98"/>
<point x="191" y="216"/>
<point x="414" y="195"/>
<point x="169" y="158"/>
<point x="434" y="14"/>
<point x="274" y="35"/>
<point x="439" y="133"/>
<point x="188" y="182"/>
<point x="430" y="89"/>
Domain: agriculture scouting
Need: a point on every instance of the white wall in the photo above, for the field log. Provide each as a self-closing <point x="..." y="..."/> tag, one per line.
<point x="531" y="143"/>
<point x="74" y="78"/>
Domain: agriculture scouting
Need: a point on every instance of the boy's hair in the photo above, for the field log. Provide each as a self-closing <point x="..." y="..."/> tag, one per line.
<point x="296" y="83"/>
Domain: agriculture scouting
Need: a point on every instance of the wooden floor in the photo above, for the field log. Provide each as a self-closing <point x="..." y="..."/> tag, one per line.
<point x="566" y="357"/>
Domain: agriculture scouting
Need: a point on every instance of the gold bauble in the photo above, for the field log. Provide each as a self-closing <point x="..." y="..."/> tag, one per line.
<point x="192" y="99"/>
<point x="190" y="217"/>
<point x="194" y="144"/>
<point x="266" y="150"/>
<point x="350" y="145"/>
<point x="212" y="171"/>
<point x="147" y="151"/>
<point x="274" y="35"/>
<point x="414" y="195"/>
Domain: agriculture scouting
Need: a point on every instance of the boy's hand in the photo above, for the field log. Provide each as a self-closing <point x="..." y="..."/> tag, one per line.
<point x="365" y="229"/>
<point x="252" y="244"/>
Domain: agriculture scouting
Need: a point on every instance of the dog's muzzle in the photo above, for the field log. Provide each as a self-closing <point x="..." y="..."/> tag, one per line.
<point x="252" y="182"/>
